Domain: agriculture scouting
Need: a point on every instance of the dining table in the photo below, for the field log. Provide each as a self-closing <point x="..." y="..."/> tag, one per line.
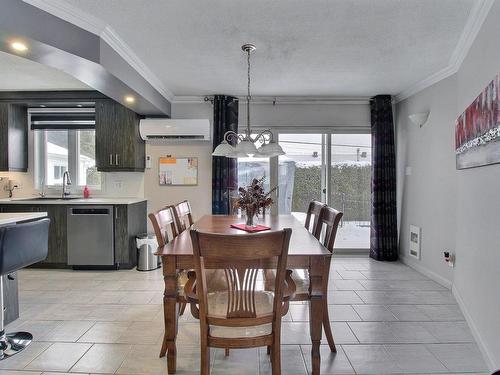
<point x="305" y="252"/>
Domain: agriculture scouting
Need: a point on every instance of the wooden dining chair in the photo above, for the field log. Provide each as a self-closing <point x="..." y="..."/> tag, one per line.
<point x="313" y="212"/>
<point x="326" y="231"/>
<point x="183" y="216"/>
<point x="163" y="223"/>
<point x="243" y="315"/>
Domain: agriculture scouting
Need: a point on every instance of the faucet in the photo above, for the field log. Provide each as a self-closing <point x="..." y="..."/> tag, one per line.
<point x="66" y="183"/>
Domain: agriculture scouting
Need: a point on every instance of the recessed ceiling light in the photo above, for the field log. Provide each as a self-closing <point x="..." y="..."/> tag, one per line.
<point x="79" y="105"/>
<point x="129" y="99"/>
<point x="19" y="46"/>
<point x="42" y="105"/>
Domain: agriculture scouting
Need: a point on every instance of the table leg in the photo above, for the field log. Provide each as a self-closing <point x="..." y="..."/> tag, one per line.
<point x="170" y="313"/>
<point x="316" y="274"/>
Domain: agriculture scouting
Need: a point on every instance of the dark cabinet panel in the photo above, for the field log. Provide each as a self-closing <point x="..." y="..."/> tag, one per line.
<point x="119" y="146"/>
<point x="13" y="137"/>
<point x="130" y="220"/>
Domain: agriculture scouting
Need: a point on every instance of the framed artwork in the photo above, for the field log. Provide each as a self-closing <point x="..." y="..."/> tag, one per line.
<point x="477" y="130"/>
<point x="415" y="237"/>
<point x="178" y="171"/>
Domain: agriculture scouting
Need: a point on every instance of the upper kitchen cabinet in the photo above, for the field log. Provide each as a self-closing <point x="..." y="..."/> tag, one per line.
<point x="119" y="146"/>
<point x="13" y="137"/>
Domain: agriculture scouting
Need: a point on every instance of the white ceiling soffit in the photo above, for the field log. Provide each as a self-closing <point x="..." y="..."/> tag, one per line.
<point x="20" y="74"/>
<point x="86" y="21"/>
<point x="474" y="22"/>
<point x="70" y="13"/>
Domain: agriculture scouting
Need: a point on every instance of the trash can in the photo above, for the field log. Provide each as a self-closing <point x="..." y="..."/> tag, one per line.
<point x="146" y="247"/>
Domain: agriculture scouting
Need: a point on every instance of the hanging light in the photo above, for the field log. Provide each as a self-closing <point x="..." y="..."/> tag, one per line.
<point x="245" y="145"/>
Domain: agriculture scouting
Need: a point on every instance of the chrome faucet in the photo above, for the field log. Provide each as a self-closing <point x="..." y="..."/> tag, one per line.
<point x="66" y="183"/>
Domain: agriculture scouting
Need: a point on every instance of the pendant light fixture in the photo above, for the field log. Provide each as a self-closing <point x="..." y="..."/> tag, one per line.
<point x="245" y="143"/>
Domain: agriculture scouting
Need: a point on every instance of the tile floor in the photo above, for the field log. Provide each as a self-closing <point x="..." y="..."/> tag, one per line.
<point x="387" y="319"/>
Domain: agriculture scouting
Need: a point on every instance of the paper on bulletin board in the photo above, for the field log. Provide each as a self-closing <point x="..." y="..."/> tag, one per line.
<point x="178" y="171"/>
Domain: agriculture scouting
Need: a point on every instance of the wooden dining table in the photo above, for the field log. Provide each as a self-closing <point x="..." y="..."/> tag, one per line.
<point x="305" y="252"/>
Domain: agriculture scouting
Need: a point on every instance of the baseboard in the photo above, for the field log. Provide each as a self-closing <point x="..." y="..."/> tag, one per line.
<point x="430" y="274"/>
<point x="480" y="343"/>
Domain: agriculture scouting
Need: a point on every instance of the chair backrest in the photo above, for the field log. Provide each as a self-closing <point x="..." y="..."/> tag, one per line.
<point x="163" y="221"/>
<point x="329" y="220"/>
<point x="313" y="213"/>
<point x="183" y="216"/>
<point x="241" y="257"/>
<point x="23" y="244"/>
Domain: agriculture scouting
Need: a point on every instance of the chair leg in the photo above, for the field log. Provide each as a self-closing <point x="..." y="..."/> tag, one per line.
<point x="328" y="328"/>
<point x="276" y="358"/>
<point x="205" y="360"/>
<point x="182" y="308"/>
<point x="226" y="352"/>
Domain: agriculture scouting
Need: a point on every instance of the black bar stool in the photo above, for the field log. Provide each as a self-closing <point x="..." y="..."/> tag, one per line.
<point x="20" y="245"/>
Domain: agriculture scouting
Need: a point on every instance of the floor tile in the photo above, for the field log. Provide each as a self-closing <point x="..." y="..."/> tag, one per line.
<point x="414" y="358"/>
<point x="59" y="357"/>
<point x="373" y="313"/>
<point x="145" y="361"/>
<point x="297" y="333"/>
<point x="331" y="363"/>
<point x="459" y="357"/>
<point x="292" y="362"/>
<point x="343" y="297"/>
<point x="239" y="361"/>
<point x="370" y="359"/>
<point x="22" y="359"/>
<point x="102" y="358"/>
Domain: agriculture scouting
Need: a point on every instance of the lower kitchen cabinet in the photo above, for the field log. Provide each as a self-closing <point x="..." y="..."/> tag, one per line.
<point x="129" y="221"/>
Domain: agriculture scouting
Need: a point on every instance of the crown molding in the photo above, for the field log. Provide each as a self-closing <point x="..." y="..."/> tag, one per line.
<point x="94" y="25"/>
<point x="280" y="100"/>
<point x="472" y="27"/>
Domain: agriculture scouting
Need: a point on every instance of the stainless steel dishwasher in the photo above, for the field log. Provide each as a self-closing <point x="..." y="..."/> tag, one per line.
<point x="91" y="237"/>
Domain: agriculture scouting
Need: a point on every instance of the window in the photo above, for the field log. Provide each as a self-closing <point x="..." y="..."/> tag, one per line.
<point x="58" y="151"/>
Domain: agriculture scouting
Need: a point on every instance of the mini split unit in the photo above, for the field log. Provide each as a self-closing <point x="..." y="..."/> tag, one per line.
<point x="156" y="130"/>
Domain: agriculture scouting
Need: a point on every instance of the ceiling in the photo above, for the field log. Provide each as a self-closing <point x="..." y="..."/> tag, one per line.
<point x="304" y="48"/>
<point x="19" y="74"/>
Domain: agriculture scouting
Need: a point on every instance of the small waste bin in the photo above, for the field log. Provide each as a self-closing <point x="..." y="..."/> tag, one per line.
<point x="146" y="247"/>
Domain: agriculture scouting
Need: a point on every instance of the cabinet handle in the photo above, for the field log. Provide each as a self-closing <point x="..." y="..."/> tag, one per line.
<point x="110" y="159"/>
<point x="116" y="159"/>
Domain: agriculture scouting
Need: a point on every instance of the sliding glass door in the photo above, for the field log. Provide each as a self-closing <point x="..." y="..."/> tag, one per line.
<point x="350" y="188"/>
<point x="334" y="168"/>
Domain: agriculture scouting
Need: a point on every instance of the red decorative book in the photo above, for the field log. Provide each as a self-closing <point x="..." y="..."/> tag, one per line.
<point x="257" y="228"/>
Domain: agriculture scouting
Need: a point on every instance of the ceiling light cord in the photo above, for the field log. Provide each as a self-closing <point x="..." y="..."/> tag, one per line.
<point x="249" y="97"/>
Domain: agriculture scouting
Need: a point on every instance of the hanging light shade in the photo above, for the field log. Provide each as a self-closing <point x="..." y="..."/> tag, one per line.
<point x="271" y="149"/>
<point x="246" y="145"/>
<point x="223" y="149"/>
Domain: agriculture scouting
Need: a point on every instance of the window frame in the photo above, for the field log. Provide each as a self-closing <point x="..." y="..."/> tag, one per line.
<point x="40" y="162"/>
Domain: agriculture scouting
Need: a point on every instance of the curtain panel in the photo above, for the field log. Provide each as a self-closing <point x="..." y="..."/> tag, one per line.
<point x="383" y="233"/>
<point x="224" y="170"/>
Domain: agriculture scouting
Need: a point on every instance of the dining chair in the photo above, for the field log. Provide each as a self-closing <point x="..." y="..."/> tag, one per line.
<point x="325" y="232"/>
<point x="183" y="216"/>
<point x="243" y="315"/>
<point x="163" y="222"/>
<point x="313" y="212"/>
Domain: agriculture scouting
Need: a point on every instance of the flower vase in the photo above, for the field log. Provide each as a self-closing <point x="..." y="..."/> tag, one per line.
<point x="250" y="213"/>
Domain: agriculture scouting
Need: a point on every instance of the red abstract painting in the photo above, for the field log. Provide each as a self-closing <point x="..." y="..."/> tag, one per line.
<point x="477" y="130"/>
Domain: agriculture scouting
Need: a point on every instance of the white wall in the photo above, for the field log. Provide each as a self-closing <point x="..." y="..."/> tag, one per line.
<point x="456" y="208"/>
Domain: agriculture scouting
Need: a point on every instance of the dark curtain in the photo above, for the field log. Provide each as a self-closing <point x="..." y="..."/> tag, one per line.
<point x="224" y="170"/>
<point x="383" y="236"/>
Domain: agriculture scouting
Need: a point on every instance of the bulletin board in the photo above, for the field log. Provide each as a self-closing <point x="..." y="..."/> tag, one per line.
<point x="178" y="171"/>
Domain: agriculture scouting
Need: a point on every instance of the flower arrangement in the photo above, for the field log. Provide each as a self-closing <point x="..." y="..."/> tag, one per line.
<point x="252" y="199"/>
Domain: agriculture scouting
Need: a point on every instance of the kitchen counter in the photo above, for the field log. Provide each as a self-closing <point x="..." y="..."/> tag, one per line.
<point x="72" y="201"/>
<point x="15" y="217"/>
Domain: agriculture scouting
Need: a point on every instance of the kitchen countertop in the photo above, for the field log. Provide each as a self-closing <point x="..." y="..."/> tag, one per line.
<point x="56" y="200"/>
<point x="14" y="217"/>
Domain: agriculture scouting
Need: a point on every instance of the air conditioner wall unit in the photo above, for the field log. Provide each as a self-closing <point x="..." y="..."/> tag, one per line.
<point x="156" y="130"/>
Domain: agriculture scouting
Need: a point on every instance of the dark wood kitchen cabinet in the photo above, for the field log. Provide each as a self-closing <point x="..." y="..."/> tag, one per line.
<point x="130" y="220"/>
<point x="13" y="137"/>
<point x="58" y="248"/>
<point x="119" y="146"/>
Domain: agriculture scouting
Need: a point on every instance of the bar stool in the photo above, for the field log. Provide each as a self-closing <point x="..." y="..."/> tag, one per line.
<point x="20" y="245"/>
